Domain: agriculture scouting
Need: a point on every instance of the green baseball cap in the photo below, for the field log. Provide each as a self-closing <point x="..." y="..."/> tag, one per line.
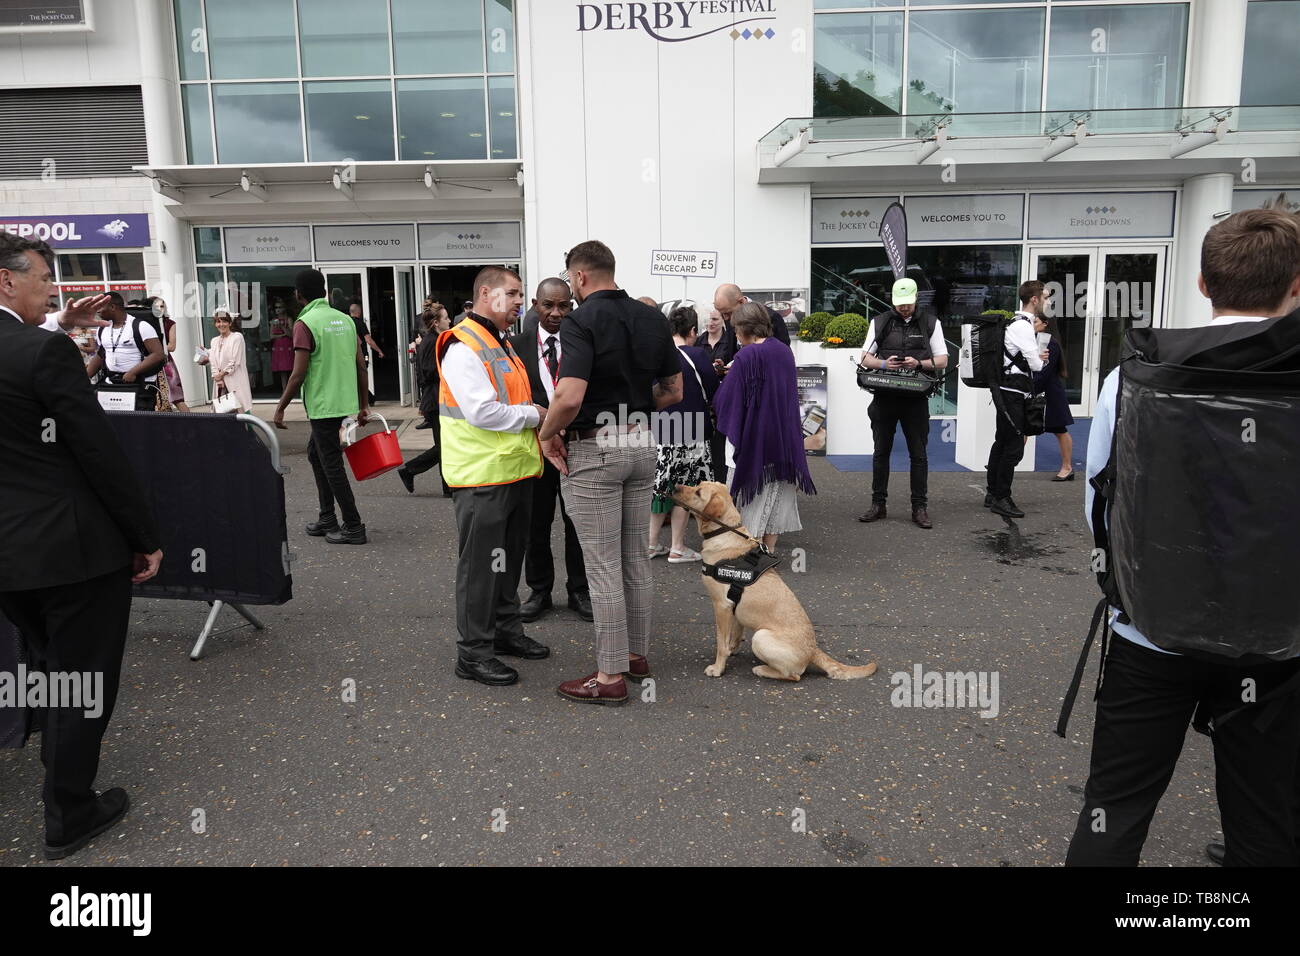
<point x="904" y="292"/>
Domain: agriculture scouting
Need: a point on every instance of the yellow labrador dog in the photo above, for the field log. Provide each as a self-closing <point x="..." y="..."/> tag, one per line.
<point x="783" y="635"/>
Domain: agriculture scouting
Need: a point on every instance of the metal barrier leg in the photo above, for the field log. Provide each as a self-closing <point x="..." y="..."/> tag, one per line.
<point x="247" y="615"/>
<point x="207" y="630"/>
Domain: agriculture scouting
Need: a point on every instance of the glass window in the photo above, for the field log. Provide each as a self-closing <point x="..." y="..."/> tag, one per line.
<point x="344" y="37"/>
<point x="352" y="119"/>
<point x="499" y="15"/>
<point x="501" y="109"/>
<point x="1270" y="75"/>
<point x="189" y="36"/>
<point x="81" y="266"/>
<point x="858" y="64"/>
<point x="251" y="39"/>
<point x="207" y="244"/>
<point x="441" y="119"/>
<point x="844" y="4"/>
<point x="198" y="124"/>
<point x="1116" y="57"/>
<point x="442" y="37"/>
<point x="258" y="122"/>
<point x="982" y="3"/>
<point x="124" y="266"/>
<point x="264" y="297"/>
<point x="975" y="61"/>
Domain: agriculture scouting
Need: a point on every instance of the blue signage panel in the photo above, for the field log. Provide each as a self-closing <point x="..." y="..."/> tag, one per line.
<point x="105" y="231"/>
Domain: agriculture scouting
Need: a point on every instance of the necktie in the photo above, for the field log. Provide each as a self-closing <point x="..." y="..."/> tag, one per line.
<point x="551" y="363"/>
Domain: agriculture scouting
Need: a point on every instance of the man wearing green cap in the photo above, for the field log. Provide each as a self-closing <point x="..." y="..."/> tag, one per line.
<point x="902" y="338"/>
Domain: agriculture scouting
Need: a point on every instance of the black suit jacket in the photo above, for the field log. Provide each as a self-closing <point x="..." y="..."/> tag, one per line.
<point x="525" y="344"/>
<point x="71" y="508"/>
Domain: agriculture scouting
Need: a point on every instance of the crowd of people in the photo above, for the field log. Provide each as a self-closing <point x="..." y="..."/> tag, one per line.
<point x="600" y="411"/>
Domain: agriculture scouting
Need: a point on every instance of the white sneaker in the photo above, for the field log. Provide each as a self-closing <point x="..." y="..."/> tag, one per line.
<point x="684" y="557"/>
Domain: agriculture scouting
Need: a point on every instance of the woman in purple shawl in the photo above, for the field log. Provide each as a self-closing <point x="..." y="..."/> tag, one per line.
<point x="758" y="411"/>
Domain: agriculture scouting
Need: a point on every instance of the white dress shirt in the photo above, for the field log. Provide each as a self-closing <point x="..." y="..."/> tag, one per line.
<point x="1020" y="339"/>
<point x="476" y="394"/>
<point x="545" y="373"/>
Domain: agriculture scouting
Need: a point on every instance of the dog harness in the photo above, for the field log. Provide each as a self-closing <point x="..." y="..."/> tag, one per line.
<point x="739" y="573"/>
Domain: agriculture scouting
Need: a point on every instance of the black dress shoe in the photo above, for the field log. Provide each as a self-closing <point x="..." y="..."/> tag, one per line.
<point x="921" y="518"/>
<point x="425" y="424"/>
<point x="988" y="500"/>
<point x="491" y="672"/>
<point x="875" y="513"/>
<point x="318" y="529"/>
<point x="521" y="646"/>
<point x="408" y="479"/>
<point x="110" y="807"/>
<point x="355" y="535"/>
<point x="1216" y="852"/>
<point x="1007" y="508"/>
<point x="537" y="604"/>
<point x="580" y="604"/>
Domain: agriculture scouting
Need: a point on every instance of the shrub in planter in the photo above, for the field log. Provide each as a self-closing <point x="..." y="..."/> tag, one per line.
<point x="813" y="327"/>
<point x="847" y="331"/>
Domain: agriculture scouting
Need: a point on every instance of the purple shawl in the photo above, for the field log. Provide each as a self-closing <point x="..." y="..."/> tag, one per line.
<point x="758" y="411"/>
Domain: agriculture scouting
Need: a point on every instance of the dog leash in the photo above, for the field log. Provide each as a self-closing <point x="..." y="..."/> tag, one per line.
<point x="723" y="529"/>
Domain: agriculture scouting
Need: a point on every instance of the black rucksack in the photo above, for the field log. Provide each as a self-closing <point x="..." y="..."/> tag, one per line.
<point x="983" y="348"/>
<point x="1195" y="522"/>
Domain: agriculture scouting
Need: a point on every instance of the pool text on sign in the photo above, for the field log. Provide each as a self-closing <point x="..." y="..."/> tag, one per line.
<point x="680" y="262"/>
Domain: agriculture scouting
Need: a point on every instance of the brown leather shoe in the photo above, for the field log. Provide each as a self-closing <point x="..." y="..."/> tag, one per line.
<point x="637" y="670"/>
<point x="921" y="517"/>
<point x="875" y="513"/>
<point x="588" y="690"/>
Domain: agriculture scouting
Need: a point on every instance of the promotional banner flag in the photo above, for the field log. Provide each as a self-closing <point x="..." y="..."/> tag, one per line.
<point x="893" y="233"/>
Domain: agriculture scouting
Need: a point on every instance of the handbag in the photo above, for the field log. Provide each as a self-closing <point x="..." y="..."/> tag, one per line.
<point x="225" y="402"/>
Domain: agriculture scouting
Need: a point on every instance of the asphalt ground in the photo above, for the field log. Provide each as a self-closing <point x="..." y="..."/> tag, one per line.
<point x="730" y="770"/>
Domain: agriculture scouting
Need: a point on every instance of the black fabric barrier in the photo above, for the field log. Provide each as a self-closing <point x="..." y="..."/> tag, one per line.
<point x="219" y="503"/>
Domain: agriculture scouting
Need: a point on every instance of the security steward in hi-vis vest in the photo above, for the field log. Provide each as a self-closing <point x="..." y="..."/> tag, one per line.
<point x="490" y="456"/>
<point x="903" y="338"/>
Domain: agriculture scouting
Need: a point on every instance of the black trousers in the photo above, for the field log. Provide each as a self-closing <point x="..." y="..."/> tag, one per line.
<point x="1008" y="443"/>
<point x="1146" y="703"/>
<point x="430" y="456"/>
<point x="326" y="457"/>
<point x="74" y="628"/>
<point x="886" y="412"/>
<point x="718" y="451"/>
<point x="539" y="563"/>
<point x="492" y="527"/>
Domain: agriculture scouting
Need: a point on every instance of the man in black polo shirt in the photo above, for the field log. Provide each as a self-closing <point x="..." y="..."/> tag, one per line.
<point x="618" y="365"/>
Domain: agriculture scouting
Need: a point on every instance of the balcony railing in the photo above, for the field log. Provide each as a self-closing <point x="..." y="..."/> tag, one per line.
<point x="1147" y="121"/>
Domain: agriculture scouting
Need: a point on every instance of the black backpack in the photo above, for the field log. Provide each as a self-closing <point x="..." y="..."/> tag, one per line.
<point x="983" y="347"/>
<point x="1195" y="523"/>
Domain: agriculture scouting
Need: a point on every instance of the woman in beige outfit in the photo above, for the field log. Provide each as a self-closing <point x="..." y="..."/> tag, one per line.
<point x="226" y="357"/>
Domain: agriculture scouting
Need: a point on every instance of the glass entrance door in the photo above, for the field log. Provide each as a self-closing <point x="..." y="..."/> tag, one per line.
<point x="404" y="294"/>
<point x="1098" y="293"/>
<point x="344" y="288"/>
<point x="1067" y="276"/>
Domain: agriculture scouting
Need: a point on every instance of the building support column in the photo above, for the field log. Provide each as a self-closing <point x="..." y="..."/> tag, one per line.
<point x="160" y="94"/>
<point x="1206" y="200"/>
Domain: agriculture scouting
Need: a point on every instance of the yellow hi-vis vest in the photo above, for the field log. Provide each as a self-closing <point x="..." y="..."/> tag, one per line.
<point x="473" y="456"/>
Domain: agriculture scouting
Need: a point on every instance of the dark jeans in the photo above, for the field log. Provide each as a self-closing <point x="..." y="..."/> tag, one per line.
<point x="431" y="456"/>
<point x="886" y="413"/>
<point x="326" y="457"/>
<point x="1008" y="443"/>
<point x="492" y="527"/>
<point x="1146" y="703"/>
<point x="539" y="563"/>
<point x="74" y="628"/>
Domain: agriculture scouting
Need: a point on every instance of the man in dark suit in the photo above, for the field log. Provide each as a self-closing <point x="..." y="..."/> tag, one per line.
<point x="75" y="532"/>
<point x="538" y="346"/>
<point x="728" y="297"/>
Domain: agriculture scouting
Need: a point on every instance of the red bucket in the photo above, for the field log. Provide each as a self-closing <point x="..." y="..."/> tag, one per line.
<point x="373" y="455"/>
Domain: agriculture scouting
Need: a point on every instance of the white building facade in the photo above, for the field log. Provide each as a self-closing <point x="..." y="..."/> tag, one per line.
<point x="398" y="145"/>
